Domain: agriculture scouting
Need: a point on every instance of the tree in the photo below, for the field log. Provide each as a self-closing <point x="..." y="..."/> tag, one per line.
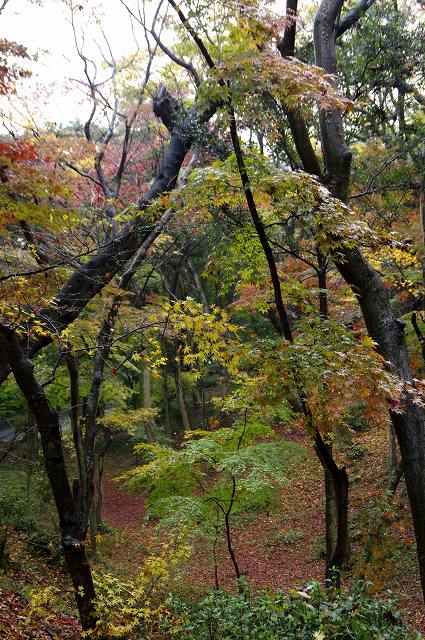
<point x="381" y="322"/>
<point x="214" y="476"/>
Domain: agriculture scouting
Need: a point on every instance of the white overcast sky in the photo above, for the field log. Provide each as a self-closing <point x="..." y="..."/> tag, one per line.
<point x="45" y="29"/>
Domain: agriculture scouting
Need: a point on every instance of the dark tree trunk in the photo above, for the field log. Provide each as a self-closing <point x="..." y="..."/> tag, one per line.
<point x="395" y="478"/>
<point x="331" y="520"/>
<point x="146" y="393"/>
<point x="92" y="427"/>
<point x="198" y="284"/>
<point x="422" y="222"/>
<point x="3" y="540"/>
<point x="80" y="482"/>
<point x="100" y="471"/>
<point x="382" y="325"/>
<point x="409" y="423"/>
<point x="98" y="495"/>
<point x="49" y="428"/>
<point x="419" y="334"/>
<point x="166" y="404"/>
<point x="322" y="268"/>
<point x="31" y="448"/>
<point x="393" y="461"/>
<point x="181" y="396"/>
<point x="337" y="533"/>
<point x="335" y="480"/>
<point x="91" y="277"/>
<point x="228" y="530"/>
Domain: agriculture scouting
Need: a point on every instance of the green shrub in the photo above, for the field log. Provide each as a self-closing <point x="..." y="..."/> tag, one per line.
<point x="314" y="613"/>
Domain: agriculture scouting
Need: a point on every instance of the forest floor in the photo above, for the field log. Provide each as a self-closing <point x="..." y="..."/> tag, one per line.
<point x="15" y="623"/>
<point x="279" y="549"/>
<point x="284" y="548"/>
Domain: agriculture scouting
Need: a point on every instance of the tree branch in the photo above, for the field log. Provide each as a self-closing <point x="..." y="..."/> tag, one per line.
<point x="353" y="16"/>
<point x="90" y="278"/>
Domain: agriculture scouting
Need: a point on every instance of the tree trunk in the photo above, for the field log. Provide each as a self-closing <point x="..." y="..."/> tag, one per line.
<point x="166" y="404"/>
<point x="204" y="408"/>
<point x="180" y="396"/>
<point x="331" y="520"/>
<point x="337" y="533"/>
<point x="336" y="480"/>
<point x="3" y="540"/>
<point x="395" y="477"/>
<point x="229" y="532"/>
<point x="80" y="484"/>
<point x="100" y="473"/>
<point x="198" y="284"/>
<point x="31" y="448"/>
<point x="419" y="334"/>
<point x="382" y="325"/>
<point x="98" y="496"/>
<point x="147" y="403"/>
<point x="408" y="419"/>
<point x="93" y="533"/>
<point x="422" y="221"/>
<point x="392" y="446"/>
<point x="48" y="425"/>
<point x="322" y="278"/>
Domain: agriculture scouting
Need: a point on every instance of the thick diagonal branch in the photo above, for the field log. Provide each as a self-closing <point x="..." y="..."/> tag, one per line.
<point x="90" y="278"/>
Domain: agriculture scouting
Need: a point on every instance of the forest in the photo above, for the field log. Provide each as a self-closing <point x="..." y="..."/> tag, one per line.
<point x="212" y="320"/>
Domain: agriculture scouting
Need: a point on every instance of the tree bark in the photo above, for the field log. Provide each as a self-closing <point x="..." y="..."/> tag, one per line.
<point x="100" y="472"/>
<point x="180" y="396"/>
<point x="392" y="447"/>
<point x="3" y="540"/>
<point x="422" y="221"/>
<point x="395" y="478"/>
<point x="322" y="278"/>
<point x="420" y="336"/>
<point x="31" y="448"/>
<point x="91" y="277"/>
<point x="91" y="425"/>
<point x="198" y="284"/>
<point x="381" y="323"/>
<point x="80" y="483"/>
<point x="147" y="402"/>
<point x="229" y="532"/>
<point x="166" y="403"/>
<point x="49" y="428"/>
<point x="337" y="533"/>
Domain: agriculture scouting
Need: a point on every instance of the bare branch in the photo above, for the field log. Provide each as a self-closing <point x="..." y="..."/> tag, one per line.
<point x="83" y="174"/>
<point x="3" y="6"/>
<point x="353" y="16"/>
